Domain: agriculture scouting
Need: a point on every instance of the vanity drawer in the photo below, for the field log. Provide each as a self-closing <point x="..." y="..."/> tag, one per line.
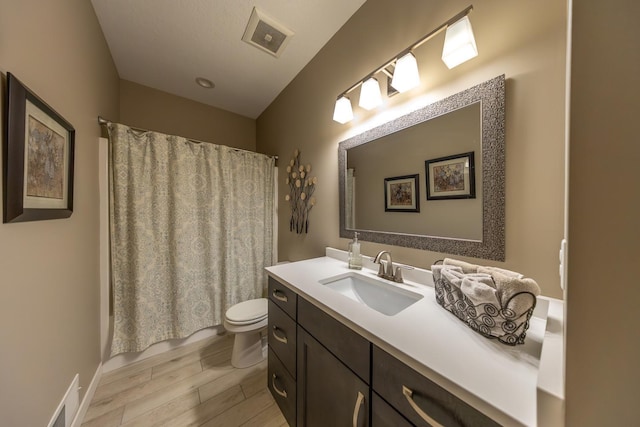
<point x="282" y="337"/>
<point x="284" y="297"/>
<point x="348" y="346"/>
<point x="282" y="387"/>
<point x="390" y="379"/>
<point x="383" y="414"/>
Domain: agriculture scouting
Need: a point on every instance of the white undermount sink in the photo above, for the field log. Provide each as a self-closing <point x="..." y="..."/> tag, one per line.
<point x="381" y="295"/>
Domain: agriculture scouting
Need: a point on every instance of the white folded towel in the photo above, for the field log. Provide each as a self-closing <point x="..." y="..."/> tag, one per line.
<point x="485" y="278"/>
<point x="509" y="286"/>
<point x="437" y="270"/>
<point x="453" y="276"/>
<point x="468" y="268"/>
<point x="465" y="266"/>
<point x="490" y="270"/>
<point x="479" y="288"/>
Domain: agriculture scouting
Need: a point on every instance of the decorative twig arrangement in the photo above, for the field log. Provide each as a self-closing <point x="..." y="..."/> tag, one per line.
<point x="301" y="188"/>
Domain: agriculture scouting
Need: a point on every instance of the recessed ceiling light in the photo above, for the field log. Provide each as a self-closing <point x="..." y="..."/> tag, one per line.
<point x="205" y="83"/>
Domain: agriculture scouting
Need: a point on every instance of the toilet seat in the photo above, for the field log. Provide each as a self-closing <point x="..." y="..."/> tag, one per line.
<point x="247" y="312"/>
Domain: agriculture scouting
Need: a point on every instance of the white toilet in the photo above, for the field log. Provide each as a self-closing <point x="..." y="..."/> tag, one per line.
<point x="247" y="320"/>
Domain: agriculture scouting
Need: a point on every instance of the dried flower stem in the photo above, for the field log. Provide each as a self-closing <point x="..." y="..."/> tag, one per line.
<point x="301" y="189"/>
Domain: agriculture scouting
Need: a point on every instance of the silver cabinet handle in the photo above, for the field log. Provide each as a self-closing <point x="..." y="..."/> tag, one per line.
<point x="356" y="409"/>
<point x="408" y="393"/>
<point x="282" y="339"/>
<point x="282" y="393"/>
<point x="277" y="294"/>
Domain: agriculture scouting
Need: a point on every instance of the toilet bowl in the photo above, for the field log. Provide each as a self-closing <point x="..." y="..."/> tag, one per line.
<point x="247" y="320"/>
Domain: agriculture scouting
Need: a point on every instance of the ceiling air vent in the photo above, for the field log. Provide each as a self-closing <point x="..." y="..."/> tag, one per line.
<point x="266" y="34"/>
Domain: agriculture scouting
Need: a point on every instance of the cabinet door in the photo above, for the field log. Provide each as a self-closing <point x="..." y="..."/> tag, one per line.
<point x="329" y="393"/>
<point x="347" y="345"/>
<point x="383" y="415"/>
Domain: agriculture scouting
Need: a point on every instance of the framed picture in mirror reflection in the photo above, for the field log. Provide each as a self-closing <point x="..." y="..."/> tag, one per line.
<point x="401" y="194"/>
<point x="451" y="177"/>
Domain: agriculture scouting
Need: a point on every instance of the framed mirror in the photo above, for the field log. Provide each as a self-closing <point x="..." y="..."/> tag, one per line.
<point x="455" y="149"/>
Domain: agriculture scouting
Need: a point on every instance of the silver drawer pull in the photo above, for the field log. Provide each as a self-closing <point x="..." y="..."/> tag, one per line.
<point x="282" y="339"/>
<point x="279" y="295"/>
<point x="282" y="393"/>
<point x="408" y="393"/>
<point x="356" y="409"/>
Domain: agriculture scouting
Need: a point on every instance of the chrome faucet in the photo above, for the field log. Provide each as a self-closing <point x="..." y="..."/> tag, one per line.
<point x="385" y="273"/>
<point x="388" y="271"/>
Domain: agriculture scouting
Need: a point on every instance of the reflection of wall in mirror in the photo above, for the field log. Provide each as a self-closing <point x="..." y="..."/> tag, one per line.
<point x="350" y="201"/>
<point x="404" y="153"/>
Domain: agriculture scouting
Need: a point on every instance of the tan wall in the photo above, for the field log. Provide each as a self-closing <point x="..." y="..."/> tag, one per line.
<point x="49" y="308"/>
<point x="603" y="345"/>
<point x="525" y="40"/>
<point x="148" y="108"/>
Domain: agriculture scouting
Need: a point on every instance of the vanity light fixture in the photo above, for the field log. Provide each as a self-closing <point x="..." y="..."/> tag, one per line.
<point x="370" y="96"/>
<point x="405" y="75"/>
<point x="343" y="112"/>
<point x="459" y="46"/>
<point x="459" y="43"/>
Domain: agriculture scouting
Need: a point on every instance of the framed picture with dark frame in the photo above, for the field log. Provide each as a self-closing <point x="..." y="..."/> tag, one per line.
<point x="451" y="177"/>
<point x="401" y="194"/>
<point x="38" y="158"/>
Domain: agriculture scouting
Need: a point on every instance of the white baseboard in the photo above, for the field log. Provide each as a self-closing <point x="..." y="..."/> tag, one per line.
<point x="68" y="405"/>
<point x="88" y="396"/>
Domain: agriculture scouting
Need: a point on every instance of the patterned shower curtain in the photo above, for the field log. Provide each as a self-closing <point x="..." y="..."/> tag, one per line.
<point x="191" y="233"/>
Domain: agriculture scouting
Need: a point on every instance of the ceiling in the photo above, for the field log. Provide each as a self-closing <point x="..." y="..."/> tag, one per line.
<point x="166" y="44"/>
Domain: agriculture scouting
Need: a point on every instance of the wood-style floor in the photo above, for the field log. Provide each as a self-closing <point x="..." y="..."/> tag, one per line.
<point x="193" y="385"/>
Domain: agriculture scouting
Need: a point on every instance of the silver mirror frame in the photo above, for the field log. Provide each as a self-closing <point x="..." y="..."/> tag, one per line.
<point x="491" y="95"/>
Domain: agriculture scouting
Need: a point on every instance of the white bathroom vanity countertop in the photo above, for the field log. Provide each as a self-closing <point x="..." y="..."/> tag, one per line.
<point x="519" y="385"/>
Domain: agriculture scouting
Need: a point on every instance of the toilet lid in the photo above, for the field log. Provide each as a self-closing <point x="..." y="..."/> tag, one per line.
<point x="248" y="311"/>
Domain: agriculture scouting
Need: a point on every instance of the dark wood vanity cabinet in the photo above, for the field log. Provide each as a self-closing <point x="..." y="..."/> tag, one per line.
<point x="283" y="388"/>
<point x="318" y="369"/>
<point x="283" y="297"/>
<point x="348" y="346"/>
<point x="322" y="373"/>
<point x="384" y="415"/>
<point x="333" y="371"/>
<point x="282" y="338"/>
<point x="420" y="400"/>
<point x="329" y="393"/>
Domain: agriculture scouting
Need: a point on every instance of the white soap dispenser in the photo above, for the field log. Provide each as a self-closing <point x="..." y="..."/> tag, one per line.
<point x="355" y="257"/>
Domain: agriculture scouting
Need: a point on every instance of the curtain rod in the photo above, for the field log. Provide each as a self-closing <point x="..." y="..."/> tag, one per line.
<point x="103" y="121"/>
